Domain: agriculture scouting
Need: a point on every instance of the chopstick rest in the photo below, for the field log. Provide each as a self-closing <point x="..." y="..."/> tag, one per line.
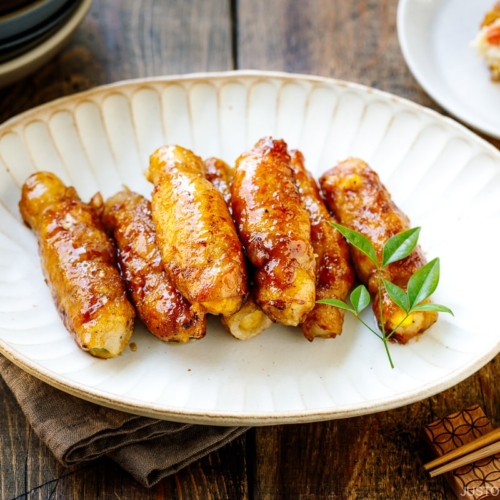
<point x="467" y="459"/>
<point x="474" y="481"/>
<point x="484" y="446"/>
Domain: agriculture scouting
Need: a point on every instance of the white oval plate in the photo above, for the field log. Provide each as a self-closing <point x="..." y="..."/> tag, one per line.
<point x="443" y="176"/>
<point x="435" y="38"/>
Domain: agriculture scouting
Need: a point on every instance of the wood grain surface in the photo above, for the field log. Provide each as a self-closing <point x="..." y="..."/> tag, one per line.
<point x="378" y="456"/>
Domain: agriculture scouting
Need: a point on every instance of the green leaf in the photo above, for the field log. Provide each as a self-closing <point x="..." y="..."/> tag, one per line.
<point x="423" y="283"/>
<point x="398" y="295"/>
<point x="336" y="303"/>
<point x="400" y="246"/>
<point x="360" y="298"/>
<point x="358" y="240"/>
<point x="429" y="306"/>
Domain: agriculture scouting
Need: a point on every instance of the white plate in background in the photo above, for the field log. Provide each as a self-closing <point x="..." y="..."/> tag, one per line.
<point x="442" y="175"/>
<point x="435" y="38"/>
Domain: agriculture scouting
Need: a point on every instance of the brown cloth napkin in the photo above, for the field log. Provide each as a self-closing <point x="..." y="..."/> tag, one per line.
<point x="78" y="431"/>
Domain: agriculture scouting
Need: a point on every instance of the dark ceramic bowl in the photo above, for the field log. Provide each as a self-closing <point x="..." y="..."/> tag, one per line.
<point x="34" y="13"/>
<point x="8" y="6"/>
<point x="15" y="46"/>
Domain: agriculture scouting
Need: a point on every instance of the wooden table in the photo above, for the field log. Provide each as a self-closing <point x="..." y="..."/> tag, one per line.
<point x="376" y="456"/>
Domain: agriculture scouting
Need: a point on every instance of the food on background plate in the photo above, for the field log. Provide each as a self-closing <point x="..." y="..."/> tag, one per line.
<point x="79" y="263"/>
<point x="334" y="274"/>
<point x="160" y="306"/>
<point x="359" y="200"/>
<point x="250" y="320"/>
<point x="195" y="233"/>
<point x="487" y="41"/>
<point x="275" y="230"/>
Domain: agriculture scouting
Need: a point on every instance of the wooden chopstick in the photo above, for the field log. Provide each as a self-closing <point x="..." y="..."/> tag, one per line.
<point x="467" y="451"/>
<point x="487" y="451"/>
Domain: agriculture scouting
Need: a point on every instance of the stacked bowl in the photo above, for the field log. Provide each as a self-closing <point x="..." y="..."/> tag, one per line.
<point x="32" y="31"/>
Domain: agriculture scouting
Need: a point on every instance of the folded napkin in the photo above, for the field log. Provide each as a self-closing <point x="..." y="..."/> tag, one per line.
<point x="78" y="431"/>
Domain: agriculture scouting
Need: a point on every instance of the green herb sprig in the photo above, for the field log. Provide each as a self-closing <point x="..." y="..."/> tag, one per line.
<point x="421" y="285"/>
